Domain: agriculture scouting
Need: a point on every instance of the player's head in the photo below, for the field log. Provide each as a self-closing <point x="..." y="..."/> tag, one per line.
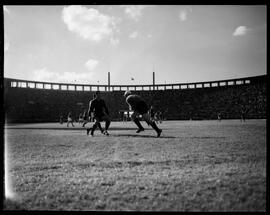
<point x="97" y="94"/>
<point x="127" y="93"/>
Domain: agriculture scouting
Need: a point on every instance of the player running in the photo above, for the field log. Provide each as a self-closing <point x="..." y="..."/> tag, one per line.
<point x="85" y="118"/>
<point x="80" y="120"/>
<point x="152" y="113"/>
<point x="99" y="111"/>
<point x="90" y="118"/>
<point x="139" y="106"/>
<point x="69" y="119"/>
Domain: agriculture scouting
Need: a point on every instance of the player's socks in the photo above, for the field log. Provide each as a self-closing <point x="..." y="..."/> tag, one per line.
<point x="105" y="132"/>
<point x="154" y="126"/>
<point x="137" y="122"/>
<point x="88" y="130"/>
<point x="159" y="132"/>
<point x="139" y="130"/>
<point x="93" y="129"/>
<point x="100" y="128"/>
<point x="107" y="124"/>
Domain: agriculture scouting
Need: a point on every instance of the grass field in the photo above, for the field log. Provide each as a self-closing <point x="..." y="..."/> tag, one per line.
<point x="193" y="166"/>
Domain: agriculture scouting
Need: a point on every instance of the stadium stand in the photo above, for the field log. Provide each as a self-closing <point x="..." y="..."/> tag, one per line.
<point x="30" y="101"/>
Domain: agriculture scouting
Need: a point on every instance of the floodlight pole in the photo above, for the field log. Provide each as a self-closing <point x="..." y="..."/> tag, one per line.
<point x="153" y="80"/>
<point x="153" y="76"/>
<point x="109" y="81"/>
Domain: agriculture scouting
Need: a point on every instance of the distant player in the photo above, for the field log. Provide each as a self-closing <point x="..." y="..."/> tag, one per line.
<point x="80" y="120"/>
<point x="69" y="119"/>
<point x="139" y="106"/>
<point x="152" y="113"/>
<point x="126" y="116"/>
<point x="85" y="118"/>
<point x="157" y="119"/>
<point x="61" y="119"/>
<point x="159" y="116"/>
<point x="122" y="115"/>
<point x="243" y="112"/>
<point x="219" y="116"/>
<point x="99" y="111"/>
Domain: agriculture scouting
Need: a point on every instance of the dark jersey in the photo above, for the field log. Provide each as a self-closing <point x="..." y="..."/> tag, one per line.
<point x="137" y="104"/>
<point x="152" y="113"/>
<point x="98" y="106"/>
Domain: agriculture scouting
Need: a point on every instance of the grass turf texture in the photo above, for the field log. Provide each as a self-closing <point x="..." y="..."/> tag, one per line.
<point x="193" y="166"/>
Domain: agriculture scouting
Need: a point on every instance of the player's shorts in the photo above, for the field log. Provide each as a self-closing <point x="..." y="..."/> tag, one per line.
<point x="69" y="119"/>
<point x="142" y="108"/>
<point x="101" y="117"/>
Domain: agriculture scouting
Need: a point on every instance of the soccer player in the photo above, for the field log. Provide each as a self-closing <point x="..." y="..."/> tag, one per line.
<point x="139" y="106"/>
<point x="156" y="117"/>
<point x="243" y="112"/>
<point x="152" y="113"/>
<point x="219" y="116"/>
<point x="122" y="115"/>
<point x="99" y="111"/>
<point x="70" y="120"/>
<point x="159" y="116"/>
<point x="85" y="118"/>
<point x="80" y="120"/>
<point x="90" y="118"/>
<point x="61" y="118"/>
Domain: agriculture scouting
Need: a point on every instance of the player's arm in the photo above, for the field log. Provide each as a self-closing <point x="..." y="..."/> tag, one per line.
<point x="129" y="104"/>
<point x="91" y="108"/>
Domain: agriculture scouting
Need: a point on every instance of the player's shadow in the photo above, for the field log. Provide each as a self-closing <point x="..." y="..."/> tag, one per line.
<point x="142" y="136"/>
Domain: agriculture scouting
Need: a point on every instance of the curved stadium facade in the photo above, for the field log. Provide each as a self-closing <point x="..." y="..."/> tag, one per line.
<point x="32" y="101"/>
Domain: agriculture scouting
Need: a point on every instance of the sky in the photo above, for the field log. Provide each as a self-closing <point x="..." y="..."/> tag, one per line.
<point x="181" y="43"/>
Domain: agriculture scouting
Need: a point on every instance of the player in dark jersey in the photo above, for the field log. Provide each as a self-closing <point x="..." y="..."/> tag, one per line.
<point x="89" y="117"/>
<point x="243" y="112"/>
<point x="99" y="111"/>
<point x="61" y="118"/>
<point x="70" y="119"/>
<point x="139" y="106"/>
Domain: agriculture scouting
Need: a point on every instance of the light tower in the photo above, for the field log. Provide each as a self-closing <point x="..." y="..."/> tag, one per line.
<point x="153" y="77"/>
<point x="109" y="81"/>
